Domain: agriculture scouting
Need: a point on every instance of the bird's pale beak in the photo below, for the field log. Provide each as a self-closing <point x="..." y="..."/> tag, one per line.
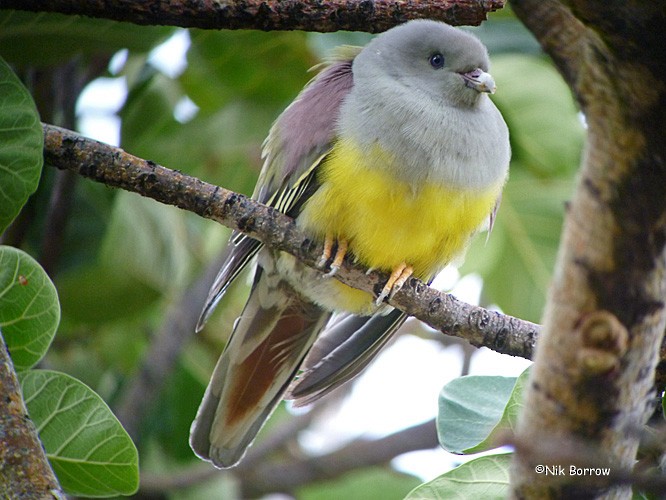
<point x="479" y="80"/>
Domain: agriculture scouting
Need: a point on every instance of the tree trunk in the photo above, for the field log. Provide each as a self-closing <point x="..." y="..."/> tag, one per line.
<point x="591" y="389"/>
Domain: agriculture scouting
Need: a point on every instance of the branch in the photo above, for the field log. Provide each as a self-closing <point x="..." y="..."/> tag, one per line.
<point x="310" y="15"/>
<point x="114" y="167"/>
<point x="288" y="474"/>
<point x="24" y="470"/>
<point x="286" y="477"/>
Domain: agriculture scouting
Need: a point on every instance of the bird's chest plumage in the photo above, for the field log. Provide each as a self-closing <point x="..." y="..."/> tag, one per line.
<point x="387" y="221"/>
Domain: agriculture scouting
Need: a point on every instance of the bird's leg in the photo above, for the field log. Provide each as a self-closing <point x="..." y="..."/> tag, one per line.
<point x="328" y="249"/>
<point x="398" y="278"/>
<point x="339" y="256"/>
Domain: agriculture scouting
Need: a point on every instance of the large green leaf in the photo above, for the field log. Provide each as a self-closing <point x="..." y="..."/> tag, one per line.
<point x="89" y="450"/>
<point x="97" y="294"/>
<point x="267" y="68"/>
<point x="470" y="408"/>
<point x="369" y="484"/>
<point x="147" y="241"/>
<point x="546" y="132"/>
<point x="21" y="145"/>
<point x="29" y="308"/>
<point x="474" y="411"/>
<point x="486" y="477"/>
<point x="45" y="38"/>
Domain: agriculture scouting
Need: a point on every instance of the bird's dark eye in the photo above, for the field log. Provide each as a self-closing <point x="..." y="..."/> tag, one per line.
<point x="437" y="61"/>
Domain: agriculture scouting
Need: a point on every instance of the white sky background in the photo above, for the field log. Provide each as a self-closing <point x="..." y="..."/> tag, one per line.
<point x="401" y="388"/>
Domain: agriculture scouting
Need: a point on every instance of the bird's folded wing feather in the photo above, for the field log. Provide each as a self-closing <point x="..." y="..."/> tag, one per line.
<point x="342" y="352"/>
<point x="297" y="142"/>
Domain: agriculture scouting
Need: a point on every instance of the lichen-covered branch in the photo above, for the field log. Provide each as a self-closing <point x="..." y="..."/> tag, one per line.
<point x="24" y="470"/>
<point x="114" y="167"/>
<point x="605" y="317"/>
<point x="310" y="15"/>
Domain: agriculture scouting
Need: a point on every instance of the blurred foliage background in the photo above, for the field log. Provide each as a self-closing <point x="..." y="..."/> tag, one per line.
<point x="121" y="263"/>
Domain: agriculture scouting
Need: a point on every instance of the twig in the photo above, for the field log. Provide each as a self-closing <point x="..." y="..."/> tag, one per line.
<point x="114" y="167"/>
<point x="311" y="15"/>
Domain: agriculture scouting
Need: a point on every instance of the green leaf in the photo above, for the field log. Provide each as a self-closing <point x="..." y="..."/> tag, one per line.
<point x="46" y="38"/>
<point x="470" y="408"/>
<point x="482" y="408"/>
<point x="369" y="484"/>
<point x="515" y="404"/>
<point x="29" y="308"/>
<point x="97" y="294"/>
<point x="21" y="145"/>
<point x="218" y="69"/>
<point x="535" y="102"/>
<point x="147" y="241"/>
<point x="486" y="477"/>
<point x="89" y="450"/>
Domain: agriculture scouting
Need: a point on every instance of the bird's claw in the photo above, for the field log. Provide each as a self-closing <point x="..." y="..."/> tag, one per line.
<point x="339" y="256"/>
<point x="398" y="278"/>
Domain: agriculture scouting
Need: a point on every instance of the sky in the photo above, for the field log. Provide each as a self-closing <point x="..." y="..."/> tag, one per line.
<point x="401" y="387"/>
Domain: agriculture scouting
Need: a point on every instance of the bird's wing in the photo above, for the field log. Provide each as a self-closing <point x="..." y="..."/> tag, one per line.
<point x="304" y="132"/>
<point x="342" y="352"/>
<point x="297" y="142"/>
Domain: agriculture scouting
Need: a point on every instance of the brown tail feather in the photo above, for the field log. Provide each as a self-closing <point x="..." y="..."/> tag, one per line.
<point x="269" y="342"/>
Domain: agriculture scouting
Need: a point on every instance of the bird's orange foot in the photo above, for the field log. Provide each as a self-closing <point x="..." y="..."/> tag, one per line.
<point x="339" y="256"/>
<point x="398" y="278"/>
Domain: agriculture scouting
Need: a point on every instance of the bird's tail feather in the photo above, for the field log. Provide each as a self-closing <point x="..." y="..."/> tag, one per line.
<point x="269" y="342"/>
<point x="341" y="353"/>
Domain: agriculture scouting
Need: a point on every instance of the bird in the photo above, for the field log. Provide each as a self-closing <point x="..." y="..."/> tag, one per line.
<point x="394" y="154"/>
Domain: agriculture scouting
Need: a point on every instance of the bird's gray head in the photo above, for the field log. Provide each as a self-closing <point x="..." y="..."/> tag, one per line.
<point x="431" y="57"/>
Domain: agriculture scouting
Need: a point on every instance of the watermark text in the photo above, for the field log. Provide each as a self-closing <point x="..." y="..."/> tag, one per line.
<point x="571" y="470"/>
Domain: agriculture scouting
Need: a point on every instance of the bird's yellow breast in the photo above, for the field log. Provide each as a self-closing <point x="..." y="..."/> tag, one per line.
<point x="388" y="222"/>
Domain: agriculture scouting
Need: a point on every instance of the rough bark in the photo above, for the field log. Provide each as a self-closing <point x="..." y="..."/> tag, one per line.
<point x="605" y="317"/>
<point x="310" y="15"/>
<point x="24" y="470"/>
